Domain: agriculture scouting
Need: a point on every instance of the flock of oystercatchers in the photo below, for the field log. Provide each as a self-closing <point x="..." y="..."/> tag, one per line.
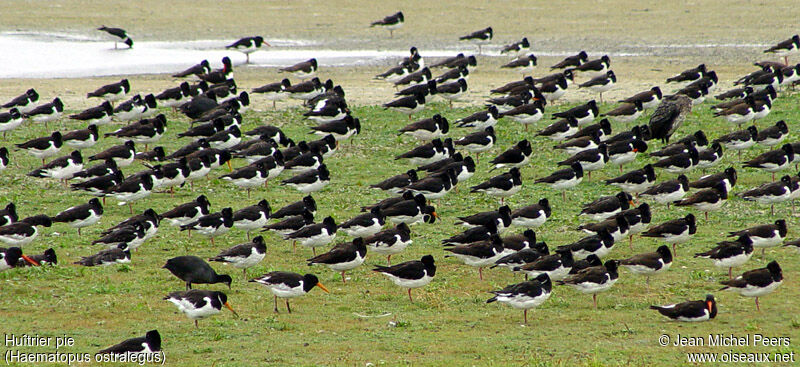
<point x="216" y="106"/>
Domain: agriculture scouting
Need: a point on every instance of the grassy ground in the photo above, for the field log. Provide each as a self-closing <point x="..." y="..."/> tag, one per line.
<point x="448" y="323"/>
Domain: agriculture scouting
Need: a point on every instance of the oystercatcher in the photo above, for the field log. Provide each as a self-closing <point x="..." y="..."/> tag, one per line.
<point x="148" y="220"/>
<point x="390" y="242"/>
<point x="626" y="112"/>
<point x="219" y="75"/>
<point x="674" y="231"/>
<point x="429" y="152"/>
<point x="340" y="129"/>
<point x="773" y="160"/>
<point x="397" y="183"/>
<point x="132" y="236"/>
<point x="410" y="274"/>
<point x="756" y="283"/>
<point x="46" y="112"/>
<point x="427" y="129"/>
<point x="342" y="257"/>
<point x="525" y="295"/>
<point x="478" y="254"/>
<point x="131" y="189"/>
<point x="501" y="218"/>
<point x="681" y="162"/>
<point x="252" y="217"/>
<point x="453" y="91"/>
<point x="526" y="114"/>
<point x="248" y="45"/>
<point x="123" y="154"/>
<point x="691" y="311"/>
<point x="198" y="304"/>
<point x="288" y="285"/>
<point x="668" y="191"/>
<point x="243" y="256"/>
<point x="198" y="69"/>
<point x="623" y="152"/>
<point x="150" y="343"/>
<point x="302" y="70"/>
<point x="43" y="147"/>
<point x="521" y="64"/>
<point x="727" y="177"/>
<point x="364" y="225"/>
<point x="145" y="132"/>
<point x="62" y="168"/>
<point x="532" y="215"/>
<point x="117" y="254"/>
<point x="411" y="211"/>
<point x="10" y="258"/>
<point x="607" y="206"/>
<point x="564" y="179"/>
<point x="188" y="212"/>
<point x="707" y="199"/>
<point x="112" y="92"/>
<point x="10" y="120"/>
<point x="590" y="159"/>
<point x="474" y="234"/>
<point x="274" y="91"/>
<point x="560" y="130"/>
<point x="291" y="223"/>
<point x="390" y="22"/>
<point x="118" y="34"/>
<point x="785" y="48"/>
<point x="594" y="279"/>
<point x="771" y="193"/>
<point x="174" y="97"/>
<point x="636" y="181"/>
<point x="23" y="232"/>
<point x="315" y="235"/>
<point x="136" y="108"/>
<point x="212" y="225"/>
<point x="601" y="84"/>
<point x="572" y="61"/>
<point x="773" y="135"/>
<point x="730" y="254"/>
<point x="435" y="186"/>
<point x="765" y="235"/>
<point x="515" y="157"/>
<point x="408" y="105"/>
<point x="584" y="113"/>
<point x="518" y="48"/>
<point x="596" y="67"/>
<point x="8" y="214"/>
<point x="556" y="266"/>
<point x="481" y="37"/>
<point x="248" y="177"/>
<point x="81" y="215"/>
<point x="504" y="185"/>
<point x="649" y="263"/>
<point x="297" y="208"/>
<point x="309" y="181"/>
<point x="24" y="102"/>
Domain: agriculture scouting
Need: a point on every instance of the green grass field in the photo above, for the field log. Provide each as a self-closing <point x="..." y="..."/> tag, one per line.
<point x="447" y="324"/>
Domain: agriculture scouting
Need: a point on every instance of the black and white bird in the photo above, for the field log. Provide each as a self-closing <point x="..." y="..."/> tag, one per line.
<point x="522" y="64"/>
<point x="478" y="254"/>
<point x="219" y="75"/>
<point x="136" y="108"/>
<point x="594" y="279"/>
<point x="44" y="147"/>
<point x="740" y="113"/>
<point x="243" y="256"/>
<point x="10" y="120"/>
<point x="453" y="91"/>
<point x="689" y="75"/>
<point x="518" y="48"/>
<point x="739" y="140"/>
<point x="564" y="179"/>
<point x="46" y="112"/>
<point x="434" y="186"/>
<point x="526" y="114"/>
<point x="274" y="91"/>
<point x="81" y="138"/>
<point x="3" y="158"/>
<point x="765" y="235"/>
<point x="196" y="70"/>
<point x="601" y="130"/>
<point x="410" y="274"/>
<point x="428" y="153"/>
<point x="117" y="254"/>
<point x="341" y="129"/>
<point x="18" y="234"/>
<point x="525" y="295"/>
<point x="397" y="183"/>
<point x="680" y="163"/>
<point x="297" y="208"/>
<point x="364" y="225"/>
<point x="24" y="102"/>
<point x="584" y="113"/>
<point x="756" y="283"/>
<point x="81" y="215"/>
<point x="410" y="211"/>
<point x="626" y="112"/>
<point x="623" y="152"/>
<point x="248" y="177"/>
<point x="650" y="263"/>
<point x="132" y="236"/>
<point x="188" y="212"/>
<point x="248" y="45"/>
<point x="123" y="154"/>
<point x="309" y="181"/>
<point x="607" y="206"/>
<point x="730" y="254"/>
<point x="408" y="105"/>
<point x="290" y="224"/>
<point x="572" y="61"/>
<point x="287" y="285"/>
<point x="526" y="241"/>
<point x="109" y="166"/>
<point x="390" y="22"/>
<point x="342" y="257"/>
<point x="771" y="192"/>
<point x="112" y="92"/>
<point x="709" y="157"/>
<point x="481" y="37"/>
<point x="674" y="231"/>
<point x="706" y="200"/>
<point x="149" y="343"/>
<point x="669" y="191"/>
<point x="773" y="135"/>
<point x="773" y="160"/>
<point x="727" y="177"/>
<point x="199" y="304"/>
<point x="62" y="168"/>
<point x="212" y="225"/>
<point x="517" y="156"/>
<point x="503" y="186"/>
<point x="556" y="266"/>
<point x="785" y="48"/>
<point x="10" y="258"/>
<point x="601" y="84"/>
<point x="590" y="159"/>
<point x="98" y="115"/>
<point x="99" y="185"/>
<point x="390" y="241"/>
<point x="690" y="311"/>
<point x="532" y="216"/>
<point x="302" y="70"/>
<point x="132" y="189"/>
<point x="649" y="98"/>
<point x="118" y="34"/>
<point x="315" y="235"/>
<point x="148" y="220"/>
<point x="507" y="103"/>
<point x="8" y="214"/>
<point x="174" y="97"/>
<point x="427" y="129"/>
<point x="596" y="67"/>
<point x="636" y="181"/>
<point x="500" y="217"/>
<point x="252" y="217"/>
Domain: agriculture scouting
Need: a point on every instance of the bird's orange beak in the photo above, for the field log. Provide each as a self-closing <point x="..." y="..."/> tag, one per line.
<point x="265" y="42"/>
<point x="709" y="305"/>
<point x="30" y="261"/>
<point x="230" y="167"/>
<point x="635" y="150"/>
<point x="436" y="215"/>
<point x="323" y="287"/>
<point x="228" y="306"/>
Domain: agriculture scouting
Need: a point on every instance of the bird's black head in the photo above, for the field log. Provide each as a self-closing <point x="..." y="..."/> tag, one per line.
<point x="227" y="216"/>
<point x="639" y="146"/>
<point x="76" y="156"/>
<point x="649" y="172"/>
<point x="665" y="253"/>
<point x="429" y="214"/>
<point x="684" y="181"/>
<point x="789" y="151"/>
<point x="611" y="265"/>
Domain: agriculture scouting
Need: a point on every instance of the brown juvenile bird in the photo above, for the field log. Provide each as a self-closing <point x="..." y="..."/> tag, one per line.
<point x="669" y="116"/>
